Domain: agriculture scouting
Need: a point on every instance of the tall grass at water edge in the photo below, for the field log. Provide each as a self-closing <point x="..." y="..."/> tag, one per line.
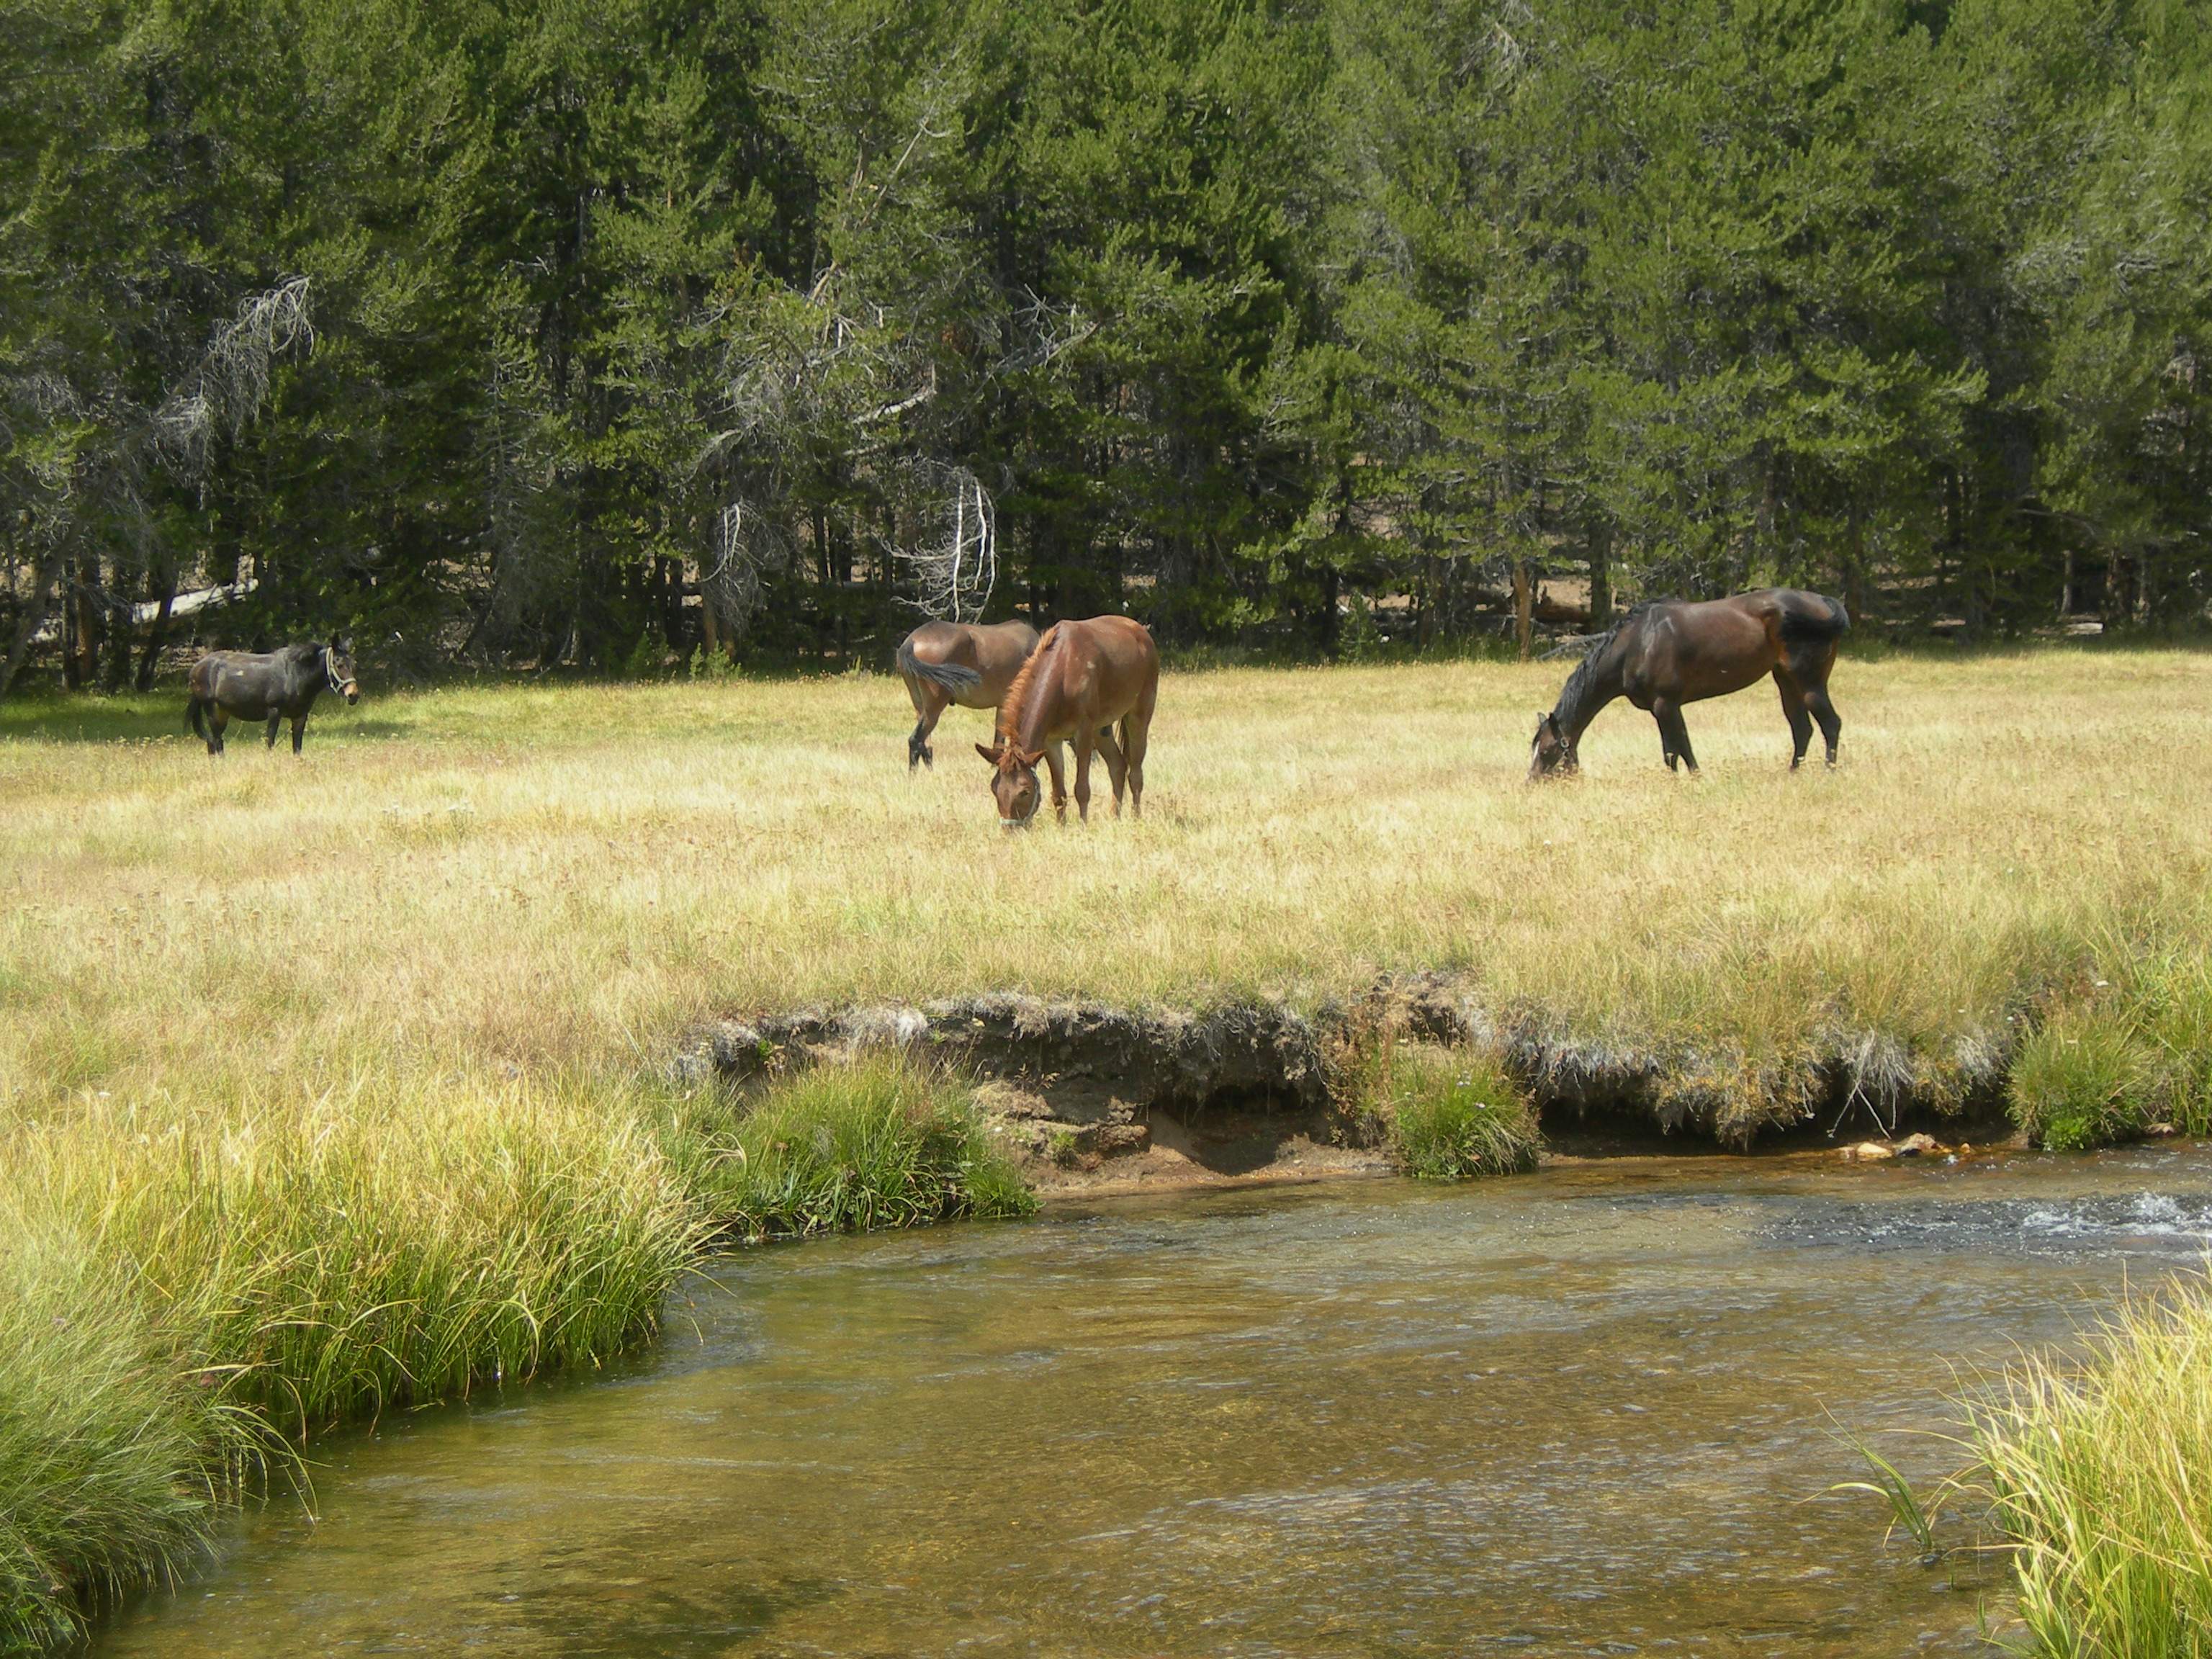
<point x="2098" y="1472"/>
<point x="2124" y="1055"/>
<point x="879" y="1142"/>
<point x="1448" y="1113"/>
<point x="187" y="1299"/>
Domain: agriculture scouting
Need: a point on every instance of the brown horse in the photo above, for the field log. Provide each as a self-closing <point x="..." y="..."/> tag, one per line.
<point x="1082" y="678"/>
<point x="947" y="663"/>
<point x="1670" y="653"/>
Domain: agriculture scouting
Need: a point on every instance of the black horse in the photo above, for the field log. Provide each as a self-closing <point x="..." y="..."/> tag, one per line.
<point x="271" y="685"/>
<point x="1672" y="652"/>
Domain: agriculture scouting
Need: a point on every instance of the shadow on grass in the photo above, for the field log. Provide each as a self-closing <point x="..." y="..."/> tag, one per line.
<point x="145" y="717"/>
<point x="126" y="717"/>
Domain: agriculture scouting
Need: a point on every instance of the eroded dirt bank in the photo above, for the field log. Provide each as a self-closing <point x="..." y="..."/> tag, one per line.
<point x="1099" y="1097"/>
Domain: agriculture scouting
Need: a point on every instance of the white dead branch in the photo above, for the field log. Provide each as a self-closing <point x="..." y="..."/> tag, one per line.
<point x="953" y="556"/>
<point x="747" y="545"/>
<point x="227" y="387"/>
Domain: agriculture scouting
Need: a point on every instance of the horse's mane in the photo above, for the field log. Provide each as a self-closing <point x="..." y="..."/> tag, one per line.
<point x="1584" y="678"/>
<point x="1009" y="707"/>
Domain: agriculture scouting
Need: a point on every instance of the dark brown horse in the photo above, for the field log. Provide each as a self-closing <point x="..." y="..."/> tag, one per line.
<point x="1670" y="653"/>
<point x="271" y="685"/>
<point x="1082" y="678"/>
<point x="963" y="663"/>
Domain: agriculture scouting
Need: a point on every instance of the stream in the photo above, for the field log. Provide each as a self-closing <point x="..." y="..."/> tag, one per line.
<point x="1590" y="1411"/>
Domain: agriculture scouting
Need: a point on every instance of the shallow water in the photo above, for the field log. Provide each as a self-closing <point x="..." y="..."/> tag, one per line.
<point x="1584" y="1412"/>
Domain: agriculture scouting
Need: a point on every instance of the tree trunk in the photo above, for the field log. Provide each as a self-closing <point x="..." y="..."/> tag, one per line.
<point x="72" y="628"/>
<point x="1600" y="575"/>
<point x="1524" y="606"/>
<point x="158" y="631"/>
<point x="710" y="628"/>
<point x="2119" y="603"/>
<point x="36" y="609"/>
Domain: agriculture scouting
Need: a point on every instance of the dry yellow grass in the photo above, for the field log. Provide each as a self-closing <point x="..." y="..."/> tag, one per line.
<point x="479" y="881"/>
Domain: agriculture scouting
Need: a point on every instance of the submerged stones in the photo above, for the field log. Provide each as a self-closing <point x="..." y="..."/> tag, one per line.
<point x="1915" y="1146"/>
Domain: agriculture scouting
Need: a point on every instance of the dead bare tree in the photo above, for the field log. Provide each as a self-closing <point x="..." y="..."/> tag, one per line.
<point x="748" y="545"/>
<point x="96" y="486"/>
<point x="952" y="555"/>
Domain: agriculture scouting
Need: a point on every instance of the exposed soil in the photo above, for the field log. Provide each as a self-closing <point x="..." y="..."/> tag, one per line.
<point x="1098" y="1098"/>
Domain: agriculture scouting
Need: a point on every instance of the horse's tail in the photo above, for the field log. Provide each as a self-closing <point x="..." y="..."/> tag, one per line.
<point x="195" y="716"/>
<point x="949" y="675"/>
<point x="1803" y="621"/>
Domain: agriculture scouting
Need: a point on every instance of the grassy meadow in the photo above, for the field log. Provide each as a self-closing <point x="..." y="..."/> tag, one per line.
<point x="333" y="1082"/>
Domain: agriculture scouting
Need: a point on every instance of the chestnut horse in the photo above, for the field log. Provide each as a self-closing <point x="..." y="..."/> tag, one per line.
<point x="947" y="663"/>
<point x="1082" y="678"/>
<point x="1670" y="653"/>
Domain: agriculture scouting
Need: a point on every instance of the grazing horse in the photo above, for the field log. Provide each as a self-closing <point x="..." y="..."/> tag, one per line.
<point x="1082" y="678"/>
<point x="1670" y="653"/>
<point x="271" y="685"/>
<point x="964" y="663"/>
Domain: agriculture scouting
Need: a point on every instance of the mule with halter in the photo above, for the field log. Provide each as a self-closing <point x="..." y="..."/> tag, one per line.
<point x="271" y="685"/>
<point x="1672" y="652"/>
<point x="964" y="663"/>
<point x="1082" y="678"/>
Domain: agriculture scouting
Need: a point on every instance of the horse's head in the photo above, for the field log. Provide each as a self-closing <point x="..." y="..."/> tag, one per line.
<point x="337" y="666"/>
<point x="1551" y="752"/>
<point x="1013" y="781"/>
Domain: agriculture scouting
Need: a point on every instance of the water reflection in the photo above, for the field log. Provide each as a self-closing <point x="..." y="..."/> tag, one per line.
<point x="1581" y="1413"/>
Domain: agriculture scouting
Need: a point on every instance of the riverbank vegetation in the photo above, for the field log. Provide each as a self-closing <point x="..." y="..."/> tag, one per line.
<point x="2097" y="1471"/>
<point x="879" y="1142"/>
<point x="334" y="1084"/>
<point x="1448" y="1114"/>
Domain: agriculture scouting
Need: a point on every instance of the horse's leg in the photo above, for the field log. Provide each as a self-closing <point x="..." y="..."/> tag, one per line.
<point x="1117" y="766"/>
<point x="1831" y="725"/>
<point x="299" y="732"/>
<point x="1793" y="709"/>
<point x="275" y="720"/>
<point x="1085" y="738"/>
<point x="929" y="703"/>
<point x="1052" y="760"/>
<point x="1673" y="733"/>
<point x="1136" y="730"/>
<point x="217" y="720"/>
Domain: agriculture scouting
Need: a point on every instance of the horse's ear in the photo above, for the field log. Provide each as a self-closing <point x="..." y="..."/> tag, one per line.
<point x="990" y="754"/>
<point x="334" y="641"/>
<point x="1031" y="756"/>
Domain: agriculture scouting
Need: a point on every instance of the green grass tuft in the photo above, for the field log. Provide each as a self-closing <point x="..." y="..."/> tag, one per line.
<point x="115" y="1450"/>
<point x="1450" y="1114"/>
<point x="877" y="1142"/>
<point x="2099" y="1474"/>
<point x="2135" y="1054"/>
<point x="2083" y="1079"/>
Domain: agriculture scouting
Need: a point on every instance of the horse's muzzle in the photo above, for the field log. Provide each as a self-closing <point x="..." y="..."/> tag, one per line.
<point x="352" y="693"/>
